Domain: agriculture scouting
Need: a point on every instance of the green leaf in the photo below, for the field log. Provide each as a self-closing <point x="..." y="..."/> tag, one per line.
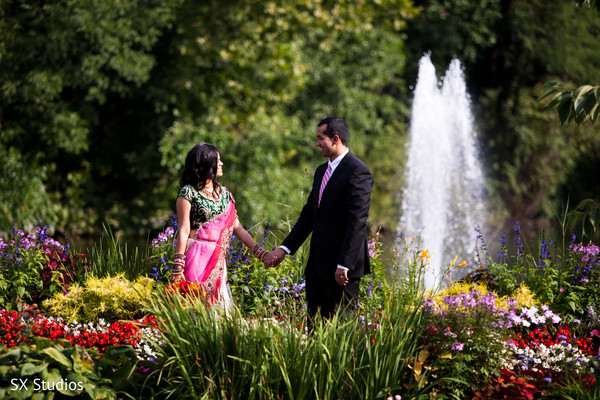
<point x="585" y="100"/>
<point x="56" y="355"/>
<point x="76" y="384"/>
<point x="565" y="111"/>
<point x="586" y="204"/>
<point x="52" y="376"/>
<point x="14" y="353"/>
<point x="595" y="112"/>
<point x="82" y="362"/>
<point x="22" y="394"/>
<point x="32" y="369"/>
<point x="594" y="219"/>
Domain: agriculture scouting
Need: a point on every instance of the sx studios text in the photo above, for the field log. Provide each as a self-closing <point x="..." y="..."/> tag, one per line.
<point x="40" y="384"/>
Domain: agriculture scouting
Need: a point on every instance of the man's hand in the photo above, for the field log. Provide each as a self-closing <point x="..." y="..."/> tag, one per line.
<point x="274" y="258"/>
<point x="341" y="276"/>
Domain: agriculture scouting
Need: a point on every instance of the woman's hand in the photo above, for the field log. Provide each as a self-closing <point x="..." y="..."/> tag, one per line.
<point x="177" y="277"/>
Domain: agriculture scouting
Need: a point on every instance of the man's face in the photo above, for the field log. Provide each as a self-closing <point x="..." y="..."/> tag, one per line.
<point x="324" y="142"/>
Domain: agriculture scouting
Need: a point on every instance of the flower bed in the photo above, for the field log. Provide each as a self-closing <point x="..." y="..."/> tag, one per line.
<point x="478" y="334"/>
<point x="19" y="328"/>
<point x="470" y="341"/>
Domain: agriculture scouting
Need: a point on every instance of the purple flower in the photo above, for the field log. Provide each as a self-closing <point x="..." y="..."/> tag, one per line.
<point x="372" y="249"/>
<point x="480" y="237"/>
<point x="370" y="288"/>
<point x="544" y="252"/>
<point x="518" y="243"/>
<point x="503" y="253"/>
<point x="174" y="222"/>
<point x="457" y="346"/>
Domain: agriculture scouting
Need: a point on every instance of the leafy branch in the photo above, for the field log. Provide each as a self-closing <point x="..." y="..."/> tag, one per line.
<point x="573" y="106"/>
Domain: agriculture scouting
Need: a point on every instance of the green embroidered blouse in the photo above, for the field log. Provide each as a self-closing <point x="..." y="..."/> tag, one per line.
<point x="204" y="209"/>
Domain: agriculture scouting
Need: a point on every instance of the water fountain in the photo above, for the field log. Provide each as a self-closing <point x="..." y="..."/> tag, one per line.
<point x="443" y="199"/>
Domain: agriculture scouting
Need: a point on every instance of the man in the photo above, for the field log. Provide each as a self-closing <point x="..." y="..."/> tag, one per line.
<point x="336" y="213"/>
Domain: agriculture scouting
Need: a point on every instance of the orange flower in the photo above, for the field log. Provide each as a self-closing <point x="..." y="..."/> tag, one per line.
<point x="424" y="254"/>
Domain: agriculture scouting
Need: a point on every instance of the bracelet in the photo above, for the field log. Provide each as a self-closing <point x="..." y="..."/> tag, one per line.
<point x="259" y="252"/>
<point x="179" y="256"/>
<point x="176" y="271"/>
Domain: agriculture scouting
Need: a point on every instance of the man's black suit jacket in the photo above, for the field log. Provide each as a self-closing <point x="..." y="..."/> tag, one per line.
<point x="339" y="225"/>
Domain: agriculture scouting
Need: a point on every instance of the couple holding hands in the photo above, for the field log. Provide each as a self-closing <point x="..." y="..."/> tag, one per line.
<point x="335" y="212"/>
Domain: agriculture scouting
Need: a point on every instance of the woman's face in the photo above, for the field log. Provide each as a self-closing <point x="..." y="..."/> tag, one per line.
<point x="219" y="166"/>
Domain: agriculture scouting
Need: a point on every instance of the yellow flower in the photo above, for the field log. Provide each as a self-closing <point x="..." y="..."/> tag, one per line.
<point x="462" y="264"/>
<point x="424" y="254"/>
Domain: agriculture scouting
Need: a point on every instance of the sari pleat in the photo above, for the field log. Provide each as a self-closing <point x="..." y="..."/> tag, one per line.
<point x="205" y="261"/>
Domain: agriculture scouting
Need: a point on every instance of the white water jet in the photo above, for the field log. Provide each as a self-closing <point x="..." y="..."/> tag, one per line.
<point x="443" y="199"/>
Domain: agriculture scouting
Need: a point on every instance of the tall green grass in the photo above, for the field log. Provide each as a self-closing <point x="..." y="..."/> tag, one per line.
<point x="109" y="257"/>
<point x="208" y="355"/>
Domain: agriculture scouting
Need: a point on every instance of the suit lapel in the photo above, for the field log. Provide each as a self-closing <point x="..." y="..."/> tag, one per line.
<point x="332" y="179"/>
<point x="317" y="184"/>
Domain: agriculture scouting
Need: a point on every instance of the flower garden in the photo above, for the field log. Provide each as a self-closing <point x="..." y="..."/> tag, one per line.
<point x="524" y="324"/>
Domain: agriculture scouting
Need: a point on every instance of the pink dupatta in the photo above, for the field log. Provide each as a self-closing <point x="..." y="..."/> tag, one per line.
<point x="205" y="255"/>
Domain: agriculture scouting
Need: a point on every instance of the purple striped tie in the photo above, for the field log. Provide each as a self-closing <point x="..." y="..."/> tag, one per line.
<point x="324" y="182"/>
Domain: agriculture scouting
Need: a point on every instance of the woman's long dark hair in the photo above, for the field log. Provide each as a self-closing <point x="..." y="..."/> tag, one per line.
<point x="200" y="166"/>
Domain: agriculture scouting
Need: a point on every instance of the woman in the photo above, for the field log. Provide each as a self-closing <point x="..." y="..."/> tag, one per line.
<point x="207" y="218"/>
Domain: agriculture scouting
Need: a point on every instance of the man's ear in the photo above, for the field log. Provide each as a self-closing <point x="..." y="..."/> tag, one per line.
<point x="336" y="139"/>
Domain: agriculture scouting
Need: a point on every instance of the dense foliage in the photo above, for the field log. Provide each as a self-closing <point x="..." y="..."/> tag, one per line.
<point x="100" y="102"/>
<point x="77" y="77"/>
<point x="96" y="124"/>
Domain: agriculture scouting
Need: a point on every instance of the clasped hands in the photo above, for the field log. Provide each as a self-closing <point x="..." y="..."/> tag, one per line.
<point x="274" y="258"/>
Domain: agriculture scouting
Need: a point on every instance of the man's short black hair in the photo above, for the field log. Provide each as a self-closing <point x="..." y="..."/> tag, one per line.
<point x="335" y="126"/>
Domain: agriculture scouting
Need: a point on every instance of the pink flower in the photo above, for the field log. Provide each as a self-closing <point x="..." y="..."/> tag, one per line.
<point x="595" y="333"/>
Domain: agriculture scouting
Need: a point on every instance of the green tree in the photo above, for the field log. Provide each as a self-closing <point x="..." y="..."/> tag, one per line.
<point x="65" y="67"/>
<point x="102" y="100"/>
<point x="576" y="105"/>
<point x="509" y="49"/>
<point x="579" y="105"/>
<point x="260" y="75"/>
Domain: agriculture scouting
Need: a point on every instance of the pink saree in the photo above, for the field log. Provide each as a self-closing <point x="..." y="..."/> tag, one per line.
<point x="205" y="257"/>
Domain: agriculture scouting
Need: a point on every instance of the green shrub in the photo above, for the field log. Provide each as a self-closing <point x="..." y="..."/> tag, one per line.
<point x="110" y="298"/>
<point x="50" y="369"/>
<point x="564" y="278"/>
<point x="35" y="267"/>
